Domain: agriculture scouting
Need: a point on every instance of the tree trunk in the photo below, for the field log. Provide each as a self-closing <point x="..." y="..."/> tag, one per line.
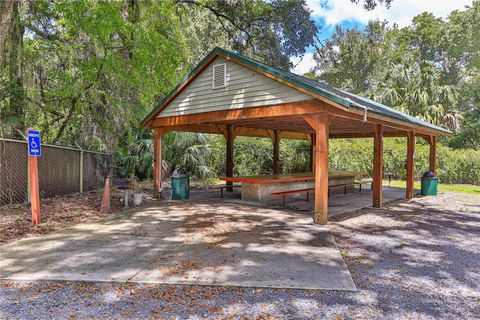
<point x="6" y="14"/>
<point x="16" y="114"/>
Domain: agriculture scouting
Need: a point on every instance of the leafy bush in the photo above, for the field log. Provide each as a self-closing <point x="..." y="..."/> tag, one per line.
<point x="204" y="156"/>
<point x="453" y="165"/>
<point x="253" y="156"/>
<point x="180" y="149"/>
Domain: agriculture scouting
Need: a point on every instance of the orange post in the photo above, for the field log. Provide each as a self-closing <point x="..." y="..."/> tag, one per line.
<point x="34" y="186"/>
<point x="377" y="165"/>
<point x="312" y="152"/>
<point x="276" y="151"/>
<point x="105" y="207"/>
<point x="34" y="189"/>
<point x="410" y="164"/>
<point x="320" y="123"/>
<point x="433" y="154"/>
<point x="229" y="135"/>
<point x="158" y="134"/>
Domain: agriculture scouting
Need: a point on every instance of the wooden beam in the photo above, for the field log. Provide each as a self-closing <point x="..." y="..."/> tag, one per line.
<point x="239" y="131"/>
<point x="358" y="114"/>
<point x="377" y="165"/>
<point x="410" y="163"/>
<point x="320" y="123"/>
<point x="433" y="154"/>
<point x="345" y="135"/>
<point x="279" y="110"/>
<point x="229" y="154"/>
<point x="276" y="151"/>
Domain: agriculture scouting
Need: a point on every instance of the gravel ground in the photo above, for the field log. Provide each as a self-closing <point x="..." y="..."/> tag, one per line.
<point x="414" y="260"/>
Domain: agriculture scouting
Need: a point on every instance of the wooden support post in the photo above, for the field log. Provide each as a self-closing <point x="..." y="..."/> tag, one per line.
<point x="433" y="154"/>
<point x="410" y="163"/>
<point x="377" y="165"/>
<point x="81" y="169"/>
<point x="276" y="151"/>
<point x="158" y="134"/>
<point x="229" y="155"/>
<point x="320" y="123"/>
<point x="312" y="152"/>
<point x="34" y="189"/>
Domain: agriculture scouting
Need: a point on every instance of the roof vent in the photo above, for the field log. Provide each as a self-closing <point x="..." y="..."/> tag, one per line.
<point x="219" y="79"/>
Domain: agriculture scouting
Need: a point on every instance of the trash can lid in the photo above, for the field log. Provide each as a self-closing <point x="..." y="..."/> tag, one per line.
<point x="429" y="174"/>
<point x="179" y="173"/>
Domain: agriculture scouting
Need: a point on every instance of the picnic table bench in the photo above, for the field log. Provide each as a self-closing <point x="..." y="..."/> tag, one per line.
<point x="283" y="194"/>
<point x="221" y="187"/>
<point x="363" y="181"/>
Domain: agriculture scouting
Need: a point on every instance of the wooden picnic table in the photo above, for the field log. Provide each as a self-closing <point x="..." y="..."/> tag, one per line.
<point x="260" y="188"/>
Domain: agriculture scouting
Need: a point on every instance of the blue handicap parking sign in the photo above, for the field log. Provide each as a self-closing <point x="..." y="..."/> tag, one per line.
<point x="34" y="148"/>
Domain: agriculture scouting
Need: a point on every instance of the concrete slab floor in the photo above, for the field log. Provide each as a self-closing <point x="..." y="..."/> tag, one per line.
<point x="195" y="242"/>
<point x="338" y="202"/>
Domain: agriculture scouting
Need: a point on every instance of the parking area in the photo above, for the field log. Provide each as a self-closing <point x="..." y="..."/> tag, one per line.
<point x="206" y="242"/>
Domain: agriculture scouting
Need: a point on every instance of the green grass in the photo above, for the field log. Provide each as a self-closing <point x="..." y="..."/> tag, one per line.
<point x="460" y="188"/>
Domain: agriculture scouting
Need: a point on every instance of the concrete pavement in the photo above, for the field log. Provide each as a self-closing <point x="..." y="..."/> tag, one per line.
<point x="206" y="242"/>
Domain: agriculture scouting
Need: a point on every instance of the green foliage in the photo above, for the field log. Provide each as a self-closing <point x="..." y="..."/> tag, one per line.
<point x="92" y="67"/>
<point x="203" y="156"/>
<point x="453" y="166"/>
<point x="426" y="69"/>
<point x="254" y="156"/>
<point x="180" y="150"/>
<point x="187" y="150"/>
<point x="272" y="31"/>
<point x="294" y="156"/>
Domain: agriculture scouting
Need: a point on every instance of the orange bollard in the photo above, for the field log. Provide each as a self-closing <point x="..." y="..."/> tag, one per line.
<point x="105" y="207"/>
<point x="34" y="189"/>
<point x="34" y="151"/>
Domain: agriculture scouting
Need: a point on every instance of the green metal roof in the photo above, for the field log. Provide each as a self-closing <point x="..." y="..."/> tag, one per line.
<point x="334" y="94"/>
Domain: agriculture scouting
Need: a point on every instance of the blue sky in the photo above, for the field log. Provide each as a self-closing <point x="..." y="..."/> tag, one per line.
<point x="327" y="30"/>
<point x="330" y="13"/>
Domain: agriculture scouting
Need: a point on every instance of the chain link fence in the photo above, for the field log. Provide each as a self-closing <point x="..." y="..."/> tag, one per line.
<point x="61" y="171"/>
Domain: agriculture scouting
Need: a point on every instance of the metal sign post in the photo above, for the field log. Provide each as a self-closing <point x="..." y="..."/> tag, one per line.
<point x="34" y="151"/>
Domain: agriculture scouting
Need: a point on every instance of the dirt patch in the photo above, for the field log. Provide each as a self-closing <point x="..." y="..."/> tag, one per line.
<point x="180" y="267"/>
<point x="208" y="227"/>
<point x="57" y="213"/>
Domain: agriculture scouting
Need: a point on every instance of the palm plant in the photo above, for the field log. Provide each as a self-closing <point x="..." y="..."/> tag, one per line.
<point x="180" y="149"/>
<point x="187" y="150"/>
<point x="416" y="89"/>
<point x="139" y="161"/>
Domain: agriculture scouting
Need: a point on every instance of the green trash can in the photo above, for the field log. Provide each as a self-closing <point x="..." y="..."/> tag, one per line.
<point x="180" y="185"/>
<point x="429" y="184"/>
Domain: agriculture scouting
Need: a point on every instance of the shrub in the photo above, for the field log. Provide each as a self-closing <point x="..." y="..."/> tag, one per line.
<point x="254" y="156"/>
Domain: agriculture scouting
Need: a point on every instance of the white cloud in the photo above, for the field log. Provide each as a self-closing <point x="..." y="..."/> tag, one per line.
<point x="400" y="12"/>
<point x="304" y="64"/>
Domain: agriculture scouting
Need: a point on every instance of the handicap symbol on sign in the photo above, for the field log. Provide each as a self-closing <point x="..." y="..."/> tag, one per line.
<point x="34" y="146"/>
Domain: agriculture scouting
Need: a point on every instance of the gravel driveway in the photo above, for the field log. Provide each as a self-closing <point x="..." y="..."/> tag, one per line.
<point x="413" y="260"/>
